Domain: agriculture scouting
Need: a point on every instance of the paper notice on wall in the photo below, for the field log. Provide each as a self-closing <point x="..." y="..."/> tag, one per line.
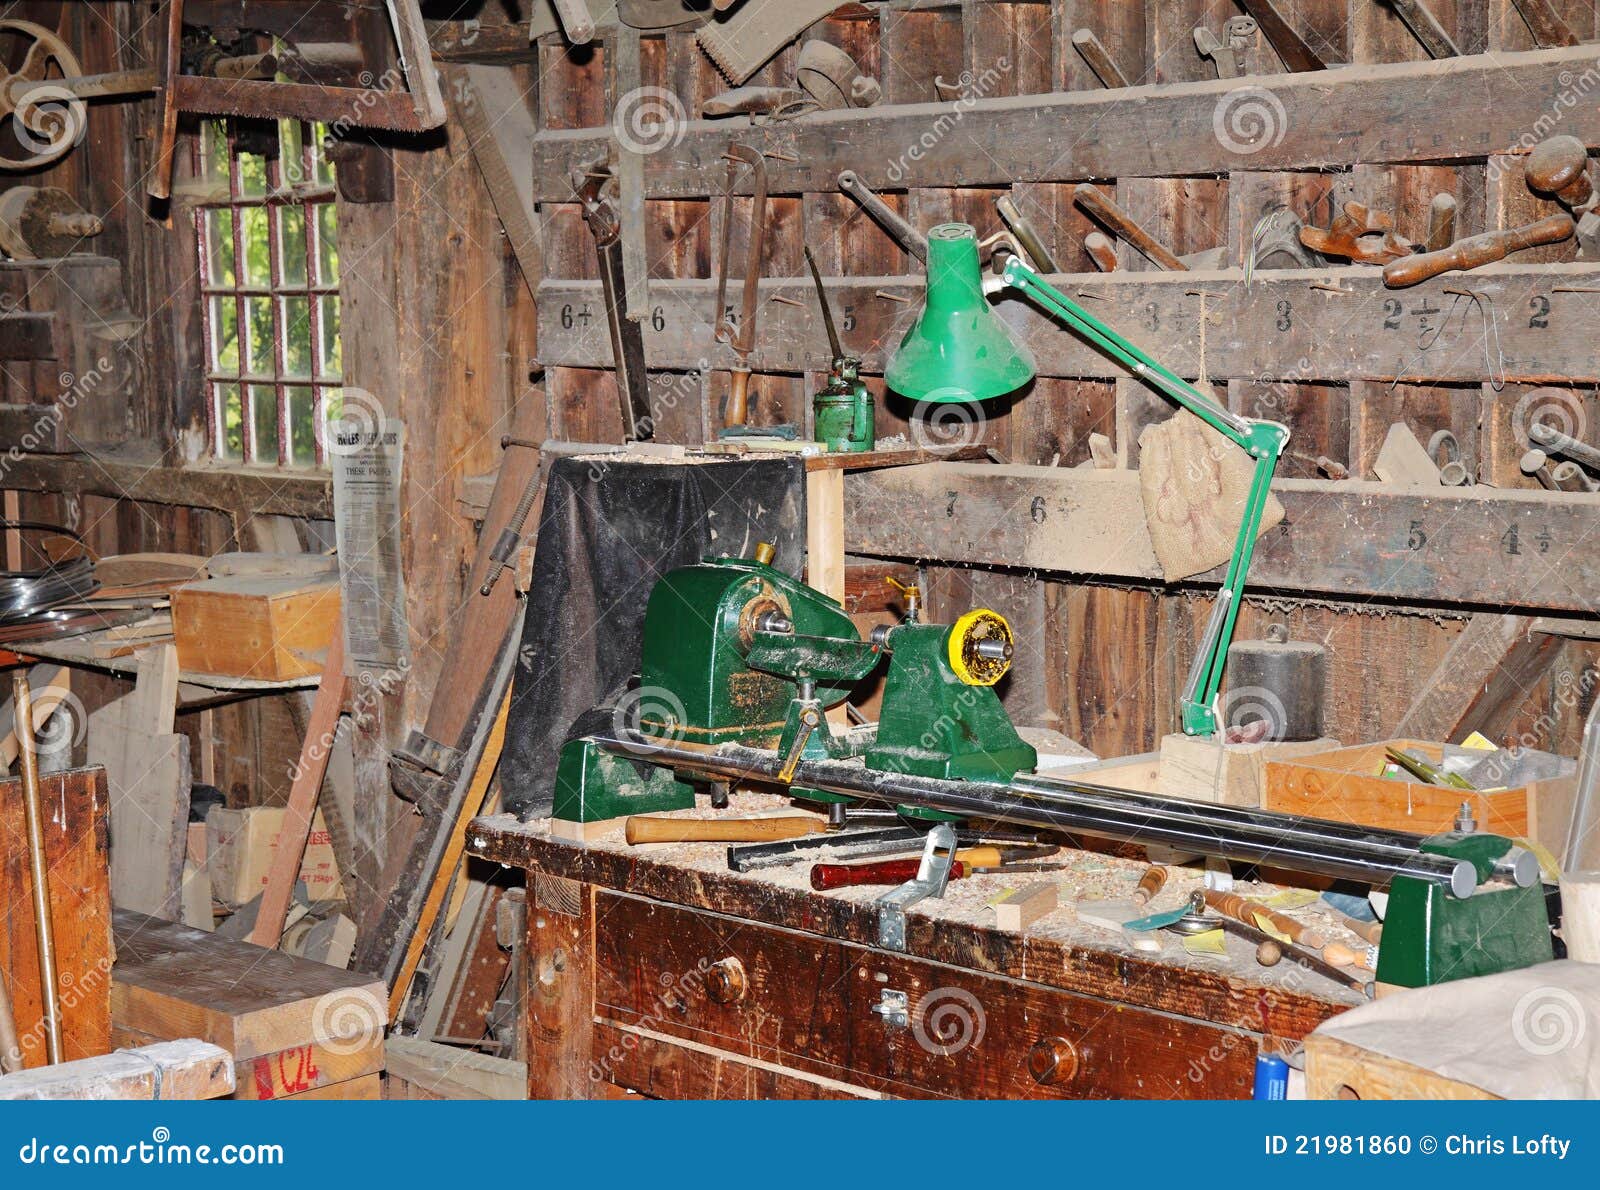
<point x="368" y="455"/>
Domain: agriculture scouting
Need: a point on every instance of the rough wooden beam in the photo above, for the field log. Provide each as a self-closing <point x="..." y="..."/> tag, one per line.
<point x="1325" y="120"/>
<point x="491" y="107"/>
<point x="1440" y="707"/>
<point x="166" y="1070"/>
<point x="1477" y="546"/>
<point x="275" y="493"/>
<point x="1279" y="328"/>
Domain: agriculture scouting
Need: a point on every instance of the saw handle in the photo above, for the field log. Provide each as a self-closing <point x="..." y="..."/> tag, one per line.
<point x="1477" y="250"/>
<point x="647" y="829"/>
<point x="1245" y="910"/>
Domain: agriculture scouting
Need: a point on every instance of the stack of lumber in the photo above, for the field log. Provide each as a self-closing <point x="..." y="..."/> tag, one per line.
<point x="296" y="1029"/>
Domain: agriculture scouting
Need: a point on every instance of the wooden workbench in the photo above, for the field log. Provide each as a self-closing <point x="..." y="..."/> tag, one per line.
<point x="660" y="971"/>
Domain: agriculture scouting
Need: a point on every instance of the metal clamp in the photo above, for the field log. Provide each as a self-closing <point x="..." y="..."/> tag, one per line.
<point x="933" y="873"/>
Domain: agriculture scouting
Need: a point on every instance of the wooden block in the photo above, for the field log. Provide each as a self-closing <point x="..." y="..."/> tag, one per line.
<point x="1204" y="769"/>
<point x="1342" y="784"/>
<point x="1336" y="1069"/>
<point x="288" y="1072"/>
<point x="186" y="1069"/>
<point x="447" y="1072"/>
<point x="369" y="1086"/>
<point x="1019" y="908"/>
<point x="172" y="981"/>
<point x="241" y="844"/>
<point x="1403" y="459"/>
<point x="75" y="808"/>
<point x="267" y="627"/>
<point x="196" y="898"/>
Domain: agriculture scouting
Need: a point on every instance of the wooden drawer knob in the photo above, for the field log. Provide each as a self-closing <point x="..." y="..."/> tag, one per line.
<point x="726" y="982"/>
<point x="1053" y="1060"/>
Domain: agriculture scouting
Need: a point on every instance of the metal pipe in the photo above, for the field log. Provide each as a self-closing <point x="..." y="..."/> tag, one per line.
<point x="22" y="713"/>
<point x="1069" y="806"/>
<point x="1553" y="439"/>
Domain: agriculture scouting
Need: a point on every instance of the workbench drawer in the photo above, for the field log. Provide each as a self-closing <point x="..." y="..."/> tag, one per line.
<point x="894" y="1024"/>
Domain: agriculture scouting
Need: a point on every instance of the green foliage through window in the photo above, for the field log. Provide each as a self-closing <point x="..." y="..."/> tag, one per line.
<point x="269" y="256"/>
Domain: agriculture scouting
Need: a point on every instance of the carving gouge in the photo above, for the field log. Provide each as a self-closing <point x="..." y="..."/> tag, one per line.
<point x="1477" y="250"/>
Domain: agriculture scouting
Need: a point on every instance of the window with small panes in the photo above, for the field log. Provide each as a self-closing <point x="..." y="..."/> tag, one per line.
<point x="269" y="270"/>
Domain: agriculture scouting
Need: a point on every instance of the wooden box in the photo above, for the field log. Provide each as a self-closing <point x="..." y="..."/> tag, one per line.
<point x="240" y="845"/>
<point x="266" y="627"/>
<point x="295" y="1028"/>
<point x="1343" y="785"/>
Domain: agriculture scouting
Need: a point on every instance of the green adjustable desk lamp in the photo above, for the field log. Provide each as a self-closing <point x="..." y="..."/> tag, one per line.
<point x="960" y="350"/>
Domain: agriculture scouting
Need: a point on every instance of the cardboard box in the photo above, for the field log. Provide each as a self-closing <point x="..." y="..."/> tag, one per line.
<point x="240" y="845"/>
<point x="266" y="627"/>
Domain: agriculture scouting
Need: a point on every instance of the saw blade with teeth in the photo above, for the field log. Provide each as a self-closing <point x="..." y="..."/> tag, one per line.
<point x="756" y="32"/>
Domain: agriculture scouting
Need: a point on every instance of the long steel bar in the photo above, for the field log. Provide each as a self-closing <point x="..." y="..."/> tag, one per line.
<point x="1079" y="808"/>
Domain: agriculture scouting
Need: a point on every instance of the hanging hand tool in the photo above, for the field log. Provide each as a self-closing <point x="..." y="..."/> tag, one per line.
<point x="970" y="861"/>
<point x="39" y="870"/>
<point x="1548" y="29"/>
<point x="1099" y="59"/>
<point x="645" y="829"/>
<point x="1025" y="232"/>
<point x="1477" y="250"/>
<point x="901" y="232"/>
<point x="1359" y="235"/>
<point x="1291" y="47"/>
<point x="1425" y="27"/>
<point x="596" y="186"/>
<point x="1226" y="56"/>
<point x="740" y="333"/>
<point x="1559" y="166"/>
<point x="1098" y="204"/>
<point x="842" y="410"/>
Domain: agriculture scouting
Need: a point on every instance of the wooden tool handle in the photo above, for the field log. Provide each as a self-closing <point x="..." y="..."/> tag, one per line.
<point x="1341" y="955"/>
<point x="888" y="871"/>
<point x="1477" y="250"/>
<point x="1102" y="208"/>
<point x="1367" y="931"/>
<point x="1154" y="878"/>
<point x="1245" y="910"/>
<point x="721" y="830"/>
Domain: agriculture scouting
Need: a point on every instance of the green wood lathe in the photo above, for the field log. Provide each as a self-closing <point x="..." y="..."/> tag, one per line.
<point x="740" y="662"/>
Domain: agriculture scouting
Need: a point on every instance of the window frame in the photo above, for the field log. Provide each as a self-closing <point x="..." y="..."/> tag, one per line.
<point x="313" y="192"/>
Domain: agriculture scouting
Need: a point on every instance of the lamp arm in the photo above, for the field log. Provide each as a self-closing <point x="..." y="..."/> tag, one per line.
<point x="1262" y="440"/>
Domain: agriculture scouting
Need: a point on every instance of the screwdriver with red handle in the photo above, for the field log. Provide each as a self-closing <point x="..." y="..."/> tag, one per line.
<point x="965" y="863"/>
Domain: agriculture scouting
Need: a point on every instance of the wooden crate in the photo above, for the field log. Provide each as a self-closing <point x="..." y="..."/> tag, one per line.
<point x="1343" y="785"/>
<point x="267" y="627"/>
<point x="295" y="1028"/>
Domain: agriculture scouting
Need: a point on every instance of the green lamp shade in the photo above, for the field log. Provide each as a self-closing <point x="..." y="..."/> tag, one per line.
<point x="958" y="349"/>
